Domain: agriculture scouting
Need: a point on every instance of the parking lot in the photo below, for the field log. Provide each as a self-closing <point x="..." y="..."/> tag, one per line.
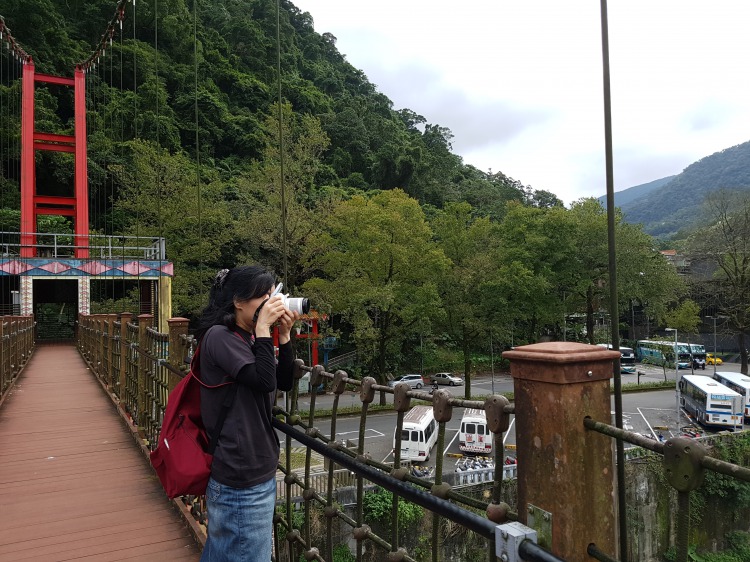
<point x="653" y="413"/>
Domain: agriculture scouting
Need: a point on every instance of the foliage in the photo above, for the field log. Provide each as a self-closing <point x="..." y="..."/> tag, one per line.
<point x="384" y="227"/>
<point x="378" y="267"/>
<point x="738" y="551"/>
<point x="685" y="318"/>
<point x="724" y="247"/>
<point x="468" y="242"/>
<point x="378" y="506"/>
<point x="677" y="205"/>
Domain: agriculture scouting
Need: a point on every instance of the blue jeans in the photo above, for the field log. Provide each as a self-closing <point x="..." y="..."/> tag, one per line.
<point x="240" y="522"/>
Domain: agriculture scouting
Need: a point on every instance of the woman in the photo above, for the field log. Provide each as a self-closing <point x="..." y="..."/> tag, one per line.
<point x="236" y="344"/>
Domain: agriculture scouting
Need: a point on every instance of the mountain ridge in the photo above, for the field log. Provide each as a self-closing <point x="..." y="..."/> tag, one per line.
<point x="669" y="205"/>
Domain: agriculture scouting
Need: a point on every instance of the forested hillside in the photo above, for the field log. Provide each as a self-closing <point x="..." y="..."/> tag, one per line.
<point x="631" y="194"/>
<point x="372" y="145"/>
<point x="385" y="229"/>
<point x="149" y="83"/>
<point x="678" y="204"/>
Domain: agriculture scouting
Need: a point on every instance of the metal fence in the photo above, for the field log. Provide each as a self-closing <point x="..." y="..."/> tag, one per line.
<point x="565" y="475"/>
<point x="16" y="347"/>
<point x="52" y="245"/>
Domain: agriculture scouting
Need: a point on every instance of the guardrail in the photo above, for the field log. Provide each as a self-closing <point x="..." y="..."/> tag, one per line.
<point x="55" y="245"/>
<point x="16" y="347"/>
<point x="564" y="475"/>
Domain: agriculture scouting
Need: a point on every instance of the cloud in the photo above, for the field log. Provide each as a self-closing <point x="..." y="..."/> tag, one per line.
<point x="520" y="83"/>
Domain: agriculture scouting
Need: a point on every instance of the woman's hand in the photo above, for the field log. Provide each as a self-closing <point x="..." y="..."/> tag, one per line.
<point x="271" y="313"/>
<point x="286" y="321"/>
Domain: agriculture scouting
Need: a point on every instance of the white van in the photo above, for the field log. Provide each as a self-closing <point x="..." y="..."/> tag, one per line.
<point x="419" y="434"/>
<point x="473" y="436"/>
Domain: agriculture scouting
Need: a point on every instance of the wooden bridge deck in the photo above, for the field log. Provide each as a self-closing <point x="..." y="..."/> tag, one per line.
<point x="73" y="484"/>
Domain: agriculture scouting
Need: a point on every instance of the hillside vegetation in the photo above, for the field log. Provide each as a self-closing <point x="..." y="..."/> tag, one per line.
<point x="677" y="205"/>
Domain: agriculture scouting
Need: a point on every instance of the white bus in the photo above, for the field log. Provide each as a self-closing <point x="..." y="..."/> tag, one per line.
<point x="710" y="402"/>
<point x="473" y="435"/>
<point x="739" y="383"/>
<point x="419" y="434"/>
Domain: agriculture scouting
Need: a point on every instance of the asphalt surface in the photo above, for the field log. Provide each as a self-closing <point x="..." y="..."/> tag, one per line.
<point x="652" y="413"/>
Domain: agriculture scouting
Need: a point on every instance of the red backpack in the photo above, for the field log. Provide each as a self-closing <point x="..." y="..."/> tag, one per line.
<point x="183" y="455"/>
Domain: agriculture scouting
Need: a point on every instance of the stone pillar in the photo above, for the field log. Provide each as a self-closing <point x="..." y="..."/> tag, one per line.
<point x="565" y="470"/>
<point x="27" y="295"/>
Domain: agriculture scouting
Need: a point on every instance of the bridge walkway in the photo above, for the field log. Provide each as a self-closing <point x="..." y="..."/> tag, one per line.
<point x="74" y="485"/>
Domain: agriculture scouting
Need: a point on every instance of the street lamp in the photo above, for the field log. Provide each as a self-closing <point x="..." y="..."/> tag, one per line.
<point x="676" y="375"/>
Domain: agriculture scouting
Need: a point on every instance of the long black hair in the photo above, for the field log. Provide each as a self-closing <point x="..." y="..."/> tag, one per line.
<point x="230" y="285"/>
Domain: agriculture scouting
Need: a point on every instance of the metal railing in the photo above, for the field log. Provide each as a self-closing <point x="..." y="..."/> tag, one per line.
<point x="16" y="347"/>
<point x="684" y="462"/>
<point x="55" y="245"/>
<point x="318" y="510"/>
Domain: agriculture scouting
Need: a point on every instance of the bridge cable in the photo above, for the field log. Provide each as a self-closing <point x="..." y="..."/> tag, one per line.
<point x="155" y="294"/>
<point x="197" y="145"/>
<point x="287" y="438"/>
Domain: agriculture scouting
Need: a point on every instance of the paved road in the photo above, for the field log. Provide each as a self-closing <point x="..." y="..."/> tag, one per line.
<point x="648" y="413"/>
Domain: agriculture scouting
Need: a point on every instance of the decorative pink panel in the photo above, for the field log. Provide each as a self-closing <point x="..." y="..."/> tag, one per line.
<point x="55" y="267"/>
<point x="134" y="268"/>
<point x="94" y="267"/>
<point x="15" y="267"/>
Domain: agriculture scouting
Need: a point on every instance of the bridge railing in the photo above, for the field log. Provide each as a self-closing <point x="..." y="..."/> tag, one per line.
<point x="100" y="246"/>
<point x="565" y="476"/>
<point x="16" y="346"/>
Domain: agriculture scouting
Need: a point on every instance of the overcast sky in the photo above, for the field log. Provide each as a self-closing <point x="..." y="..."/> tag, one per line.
<point x="519" y="83"/>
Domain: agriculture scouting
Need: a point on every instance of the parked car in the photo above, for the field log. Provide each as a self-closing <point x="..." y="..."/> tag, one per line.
<point x="413" y="380"/>
<point x="446" y="378"/>
<point x="710" y="359"/>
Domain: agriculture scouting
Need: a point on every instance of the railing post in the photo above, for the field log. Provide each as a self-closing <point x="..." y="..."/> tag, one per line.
<point x="100" y="346"/>
<point x="111" y="375"/>
<point x="5" y="376"/>
<point x="178" y="328"/>
<point x="566" y="477"/>
<point x="124" y="319"/>
<point x="144" y="321"/>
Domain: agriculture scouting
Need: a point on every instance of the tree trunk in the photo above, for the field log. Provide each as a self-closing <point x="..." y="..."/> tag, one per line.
<point x="743" y="351"/>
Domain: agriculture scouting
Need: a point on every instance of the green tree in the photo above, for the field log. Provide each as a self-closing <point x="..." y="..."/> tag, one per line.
<point x="724" y="246"/>
<point x="468" y="242"/>
<point x="258" y="211"/>
<point x="642" y="272"/>
<point x="685" y="318"/>
<point x="377" y="267"/>
<point x="161" y="196"/>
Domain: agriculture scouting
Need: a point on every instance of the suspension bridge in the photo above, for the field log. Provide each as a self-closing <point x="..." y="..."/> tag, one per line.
<point x="83" y="393"/>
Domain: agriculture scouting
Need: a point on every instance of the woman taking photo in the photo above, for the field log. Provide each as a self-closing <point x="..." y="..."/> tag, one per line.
<point x="236" y="345"/>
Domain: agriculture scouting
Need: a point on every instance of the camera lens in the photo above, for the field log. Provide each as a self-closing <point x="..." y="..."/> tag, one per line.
<point x="301" y="305"/>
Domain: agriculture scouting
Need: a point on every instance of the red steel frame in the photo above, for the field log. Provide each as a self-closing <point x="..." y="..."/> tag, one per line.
<point x="33" y="205"/>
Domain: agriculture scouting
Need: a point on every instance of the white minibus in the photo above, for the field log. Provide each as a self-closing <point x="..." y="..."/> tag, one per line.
<point x="473" y="435"/>
<point x="739" y="383"/>
<point x="419" y="434"/>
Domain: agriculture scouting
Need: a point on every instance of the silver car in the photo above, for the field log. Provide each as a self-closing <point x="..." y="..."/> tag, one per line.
<point x="413" y="380"/>
<point x="446" y="378"/>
